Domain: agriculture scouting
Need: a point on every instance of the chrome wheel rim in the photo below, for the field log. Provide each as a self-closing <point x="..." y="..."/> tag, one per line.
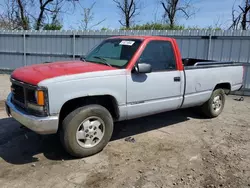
<point x="90" y="132"/>
<point x="217" y="103"/>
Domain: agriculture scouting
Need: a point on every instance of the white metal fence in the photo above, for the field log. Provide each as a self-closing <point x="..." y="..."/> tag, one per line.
<point x="21" y="48"/>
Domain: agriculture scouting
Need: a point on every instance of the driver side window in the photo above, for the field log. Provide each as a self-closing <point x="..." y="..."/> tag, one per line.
<point x="160" y="55"/>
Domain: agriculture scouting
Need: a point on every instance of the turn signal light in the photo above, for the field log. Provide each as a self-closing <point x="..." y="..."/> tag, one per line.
<point x="40" y="98"/>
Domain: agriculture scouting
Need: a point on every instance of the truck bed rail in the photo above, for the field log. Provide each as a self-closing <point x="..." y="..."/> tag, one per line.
<point x="213" y="63"/>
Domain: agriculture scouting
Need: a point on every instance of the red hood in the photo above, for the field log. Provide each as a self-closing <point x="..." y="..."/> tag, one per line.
<point x="36" y="73"/>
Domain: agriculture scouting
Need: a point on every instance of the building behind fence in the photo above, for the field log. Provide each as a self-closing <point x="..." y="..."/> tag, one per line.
<point x="21" y="48"/>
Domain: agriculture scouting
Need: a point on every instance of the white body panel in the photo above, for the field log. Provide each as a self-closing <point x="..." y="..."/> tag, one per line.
<point x="201" y="82"/>
<point x="153" y="93"/>
<point x="145" y="94"/>
<point x="65" y="88"/>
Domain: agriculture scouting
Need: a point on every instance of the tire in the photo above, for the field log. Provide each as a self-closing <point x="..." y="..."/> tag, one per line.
<point x="212" y="108"/>
<point x="73" y="133"/>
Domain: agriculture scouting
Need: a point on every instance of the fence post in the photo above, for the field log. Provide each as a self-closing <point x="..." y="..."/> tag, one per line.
<point x="24" y="49"/>
<point x="74" y="45"/>
<point x="209" y="45"/>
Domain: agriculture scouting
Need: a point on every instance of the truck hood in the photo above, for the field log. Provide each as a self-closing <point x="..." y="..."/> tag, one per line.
<point x="36" y="73"/>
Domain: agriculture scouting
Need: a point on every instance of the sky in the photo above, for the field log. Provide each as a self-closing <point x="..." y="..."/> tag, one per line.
<point x="208" y="13"/>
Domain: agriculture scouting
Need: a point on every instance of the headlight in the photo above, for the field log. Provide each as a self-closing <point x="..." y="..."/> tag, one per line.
<point x="36" y="102"/>
<point x="35" y="107"/>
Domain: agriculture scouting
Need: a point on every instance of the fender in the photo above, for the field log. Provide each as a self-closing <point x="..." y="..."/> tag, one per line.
<point x="65" y="88"/>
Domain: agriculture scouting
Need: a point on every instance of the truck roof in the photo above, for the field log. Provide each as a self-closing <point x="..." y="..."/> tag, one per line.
<point x="139" y="37"/>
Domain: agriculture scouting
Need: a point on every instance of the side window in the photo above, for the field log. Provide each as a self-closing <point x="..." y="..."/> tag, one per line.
<point x="160" y="55"/>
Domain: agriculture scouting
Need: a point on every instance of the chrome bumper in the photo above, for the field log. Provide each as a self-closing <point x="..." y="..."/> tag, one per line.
<point x="40" y="125"/>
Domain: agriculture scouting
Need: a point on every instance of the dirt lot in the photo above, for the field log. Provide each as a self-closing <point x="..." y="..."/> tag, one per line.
<point x="174" y="149"/>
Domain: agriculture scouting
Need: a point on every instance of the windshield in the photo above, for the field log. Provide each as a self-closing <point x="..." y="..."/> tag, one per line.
<point x="114" y="52"/>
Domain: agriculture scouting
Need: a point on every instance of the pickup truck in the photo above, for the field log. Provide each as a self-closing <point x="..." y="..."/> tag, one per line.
<point x="124" y="77"/>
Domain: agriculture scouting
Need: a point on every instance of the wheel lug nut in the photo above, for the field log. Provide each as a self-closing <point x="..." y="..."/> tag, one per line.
<point x="90" y="127"/>
<point x="87" y="135"/>
<point x="94" y="133"/>
<point x="86" y="130"/>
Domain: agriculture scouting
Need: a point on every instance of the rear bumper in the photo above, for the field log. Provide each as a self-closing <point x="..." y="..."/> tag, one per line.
<point x="40" y="125"/>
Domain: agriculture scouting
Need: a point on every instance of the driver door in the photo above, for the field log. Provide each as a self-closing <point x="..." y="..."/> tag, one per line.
<point x="159" y="90"/>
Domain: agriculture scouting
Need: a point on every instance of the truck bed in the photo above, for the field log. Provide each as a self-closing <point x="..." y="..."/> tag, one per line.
<point x="198" y="63"/>
<point x="202" y="76"/>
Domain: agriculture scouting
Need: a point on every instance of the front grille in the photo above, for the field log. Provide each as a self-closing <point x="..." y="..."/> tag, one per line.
<point x="18" y="93"/>
<point x="30" y="93"/>
<point x="24" y="94"/>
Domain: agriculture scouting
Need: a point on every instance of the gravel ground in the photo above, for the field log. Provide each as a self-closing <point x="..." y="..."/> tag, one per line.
<point x="174" y="149"/>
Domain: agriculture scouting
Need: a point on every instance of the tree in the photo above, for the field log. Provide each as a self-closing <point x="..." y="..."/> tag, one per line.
<point x="4" y="21"/>
<point x="23" y="18"/>
<point x="43" y="9"/>
<point x="12" y="17"/>
<point x="23" y="15"/>
<point x="155" y="26"/>
<point x="52" y="7"/>
<point x="88" y="17"/>
<point x="241" y="16"/>
<point x="160" y="26"/>
<point x="129" y="10"/>
<point x="55" y="23"/>
<point x="173" y="7"/>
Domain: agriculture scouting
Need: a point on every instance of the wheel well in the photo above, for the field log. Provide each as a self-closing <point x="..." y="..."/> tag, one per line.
<point x="225" y="86"/>
<point x="107" y="101"/>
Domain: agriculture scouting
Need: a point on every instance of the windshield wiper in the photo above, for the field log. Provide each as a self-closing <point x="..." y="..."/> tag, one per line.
<point x="82" y="58"/>
<point x="103" y="60"/>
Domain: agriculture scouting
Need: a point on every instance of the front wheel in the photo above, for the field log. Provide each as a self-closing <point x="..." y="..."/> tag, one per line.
<point x="214" y="106"/>
<point x="86" y="130"/>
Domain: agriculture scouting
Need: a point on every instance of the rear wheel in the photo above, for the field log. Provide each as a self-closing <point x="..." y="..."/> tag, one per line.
<point x="214" y="106"/>
<point x="86" y="130"/>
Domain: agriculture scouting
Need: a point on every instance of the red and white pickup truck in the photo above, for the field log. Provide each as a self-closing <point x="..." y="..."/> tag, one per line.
<point x="122" y="78"/>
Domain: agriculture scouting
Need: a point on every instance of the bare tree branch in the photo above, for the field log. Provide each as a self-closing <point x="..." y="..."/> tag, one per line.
<point x="20" y="14"/>
<point x="172" y="7"/>
<point x="52" y="11"/>
<point x="240" y="21"/>
<point x="98" y="23"/>
<point x="88" y="17"/>
<point x="129" y="10"/>
<point x="184" y="12"/>
<point x="41" y="14"/>
<point x="23" y="17"/>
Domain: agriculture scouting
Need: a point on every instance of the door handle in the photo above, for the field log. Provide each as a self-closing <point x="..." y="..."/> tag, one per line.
<point x="177" y="79"/>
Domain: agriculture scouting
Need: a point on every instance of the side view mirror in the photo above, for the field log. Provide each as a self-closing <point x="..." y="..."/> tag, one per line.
<point x="143" y="68"/>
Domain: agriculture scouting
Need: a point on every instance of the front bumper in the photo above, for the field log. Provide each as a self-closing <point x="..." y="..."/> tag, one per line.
<point x="40" y="125"/>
